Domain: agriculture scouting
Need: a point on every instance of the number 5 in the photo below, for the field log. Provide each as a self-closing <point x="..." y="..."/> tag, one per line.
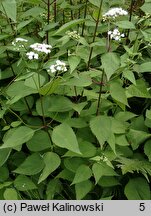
<point x="142" y="206"/>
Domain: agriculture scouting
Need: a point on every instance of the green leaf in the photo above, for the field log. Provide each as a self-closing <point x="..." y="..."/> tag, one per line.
<point x="83" y="173"/>
<point x="10" y="8"/>
<point x="118" y="92"/>
<point x="54" y="187"/>
<point x="82" y="80"/>
<point x="130" y="76"/>
<point x="125" y="24"/>
<point x="53" y="103"/>
<point x="147" y="149"/>
<point x="24" y="183"/>
<point x="64" y="137"/>
<point x="101" y="128"/>
<point x="108" y="181"/>
<point x="40" y="141"/>
<point x="144" y="67"/>
<point x="82" y="189"/>
<point x="32" y="165"/>
<point x="95" y="2"/>
<point x="102" y="169"/>
<point x="69" y="25"/>
<point x="17" y="136"/>
<point x="10" y="194"/>
<point x="138" y="90"/>
<point x="34" y="12"/>
<point x="110" y="63"/>
<point x="72" y="164"/>
<point x="18" y="90"/>
<point x="4" y="174"/>
<point x="137" y="189"/>
<point x="50" y="87"/>
<point x="136" y="137"/>
<point x="35" y="81"/>
<point x="146" y="7"/>
<point x="73" y="62"/>
<point x="86" y="148"/>
<point x="52" y="162"/>
<point x="4" y="154"/>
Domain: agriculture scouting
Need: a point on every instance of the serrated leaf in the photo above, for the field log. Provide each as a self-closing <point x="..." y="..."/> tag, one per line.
<point x="101" y="128"/>
<point x="83" y="173"/>
<point x="50" y="87"/>
<point x="86" y="148"/>
<point x="40" y="141"/>
<point x="130" y="76"/>
<point x="69" y="25"/>
<point x="102" y="169"/>
<point x="10" y="8"/>
<point x="17" y="136"/>
<point x="147" y="149"/>
<point x="110" y="63"/>
<point x="118" y="92"/>
<point x="137" y="189"/>
<point x="73" y="62"/>
<point x="32" y="165"/>
<point x="52" y="162"/>
<point x="95" y="2"/>
<point x="138" y="90"/>
<point x="136" y="137"/>
<point x="82" y="189"/>
<point x="146" y="7"/>
<point x="64" y="137"/>
<point x="125" y="24"/>
<point x="4" y="154"/>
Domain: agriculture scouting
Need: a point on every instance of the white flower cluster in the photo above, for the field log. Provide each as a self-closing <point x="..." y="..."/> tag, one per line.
<point x="115" y="34"/>
<point x="114" y="13"/>
<point x="37" y="49"/>
<point x="59" y="66"/>
<point x="20" y="42"/>
<point x="73" y="34"/>
<point x="44" y="48"/>
<point x="31" y="55"/>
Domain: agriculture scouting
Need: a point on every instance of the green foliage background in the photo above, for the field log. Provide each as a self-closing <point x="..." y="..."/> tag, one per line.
<point x="84" y="133"/>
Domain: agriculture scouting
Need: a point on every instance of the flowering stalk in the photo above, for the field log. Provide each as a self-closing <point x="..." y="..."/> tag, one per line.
<point x="95" y="31"/>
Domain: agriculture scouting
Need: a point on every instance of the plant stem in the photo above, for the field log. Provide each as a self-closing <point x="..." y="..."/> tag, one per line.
<point x="130" y="18"/>
<point x="71" y="3"/>
<point x="30" y="111"/>
<point x="55" y="10"/>
<point x="48" y="17"/>
<point x="100" y="94"/>
<point x="94" y="35"/>
<point x="41" y="102"/>
<point x="85" y="13"/>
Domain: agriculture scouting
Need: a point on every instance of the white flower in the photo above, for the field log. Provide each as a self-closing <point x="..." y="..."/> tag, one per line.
<point x="115" y="34"/>
<point x="21" y="40"/>
<point x="32" y="55"/>
<point x="59" y="66"/>
<point x="52" y="69"/>
<point x="113" y="13"/>
<point x="44" y="48"/>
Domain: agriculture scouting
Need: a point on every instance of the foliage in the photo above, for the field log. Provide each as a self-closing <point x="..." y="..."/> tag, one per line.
<point x="75" y="100"/>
